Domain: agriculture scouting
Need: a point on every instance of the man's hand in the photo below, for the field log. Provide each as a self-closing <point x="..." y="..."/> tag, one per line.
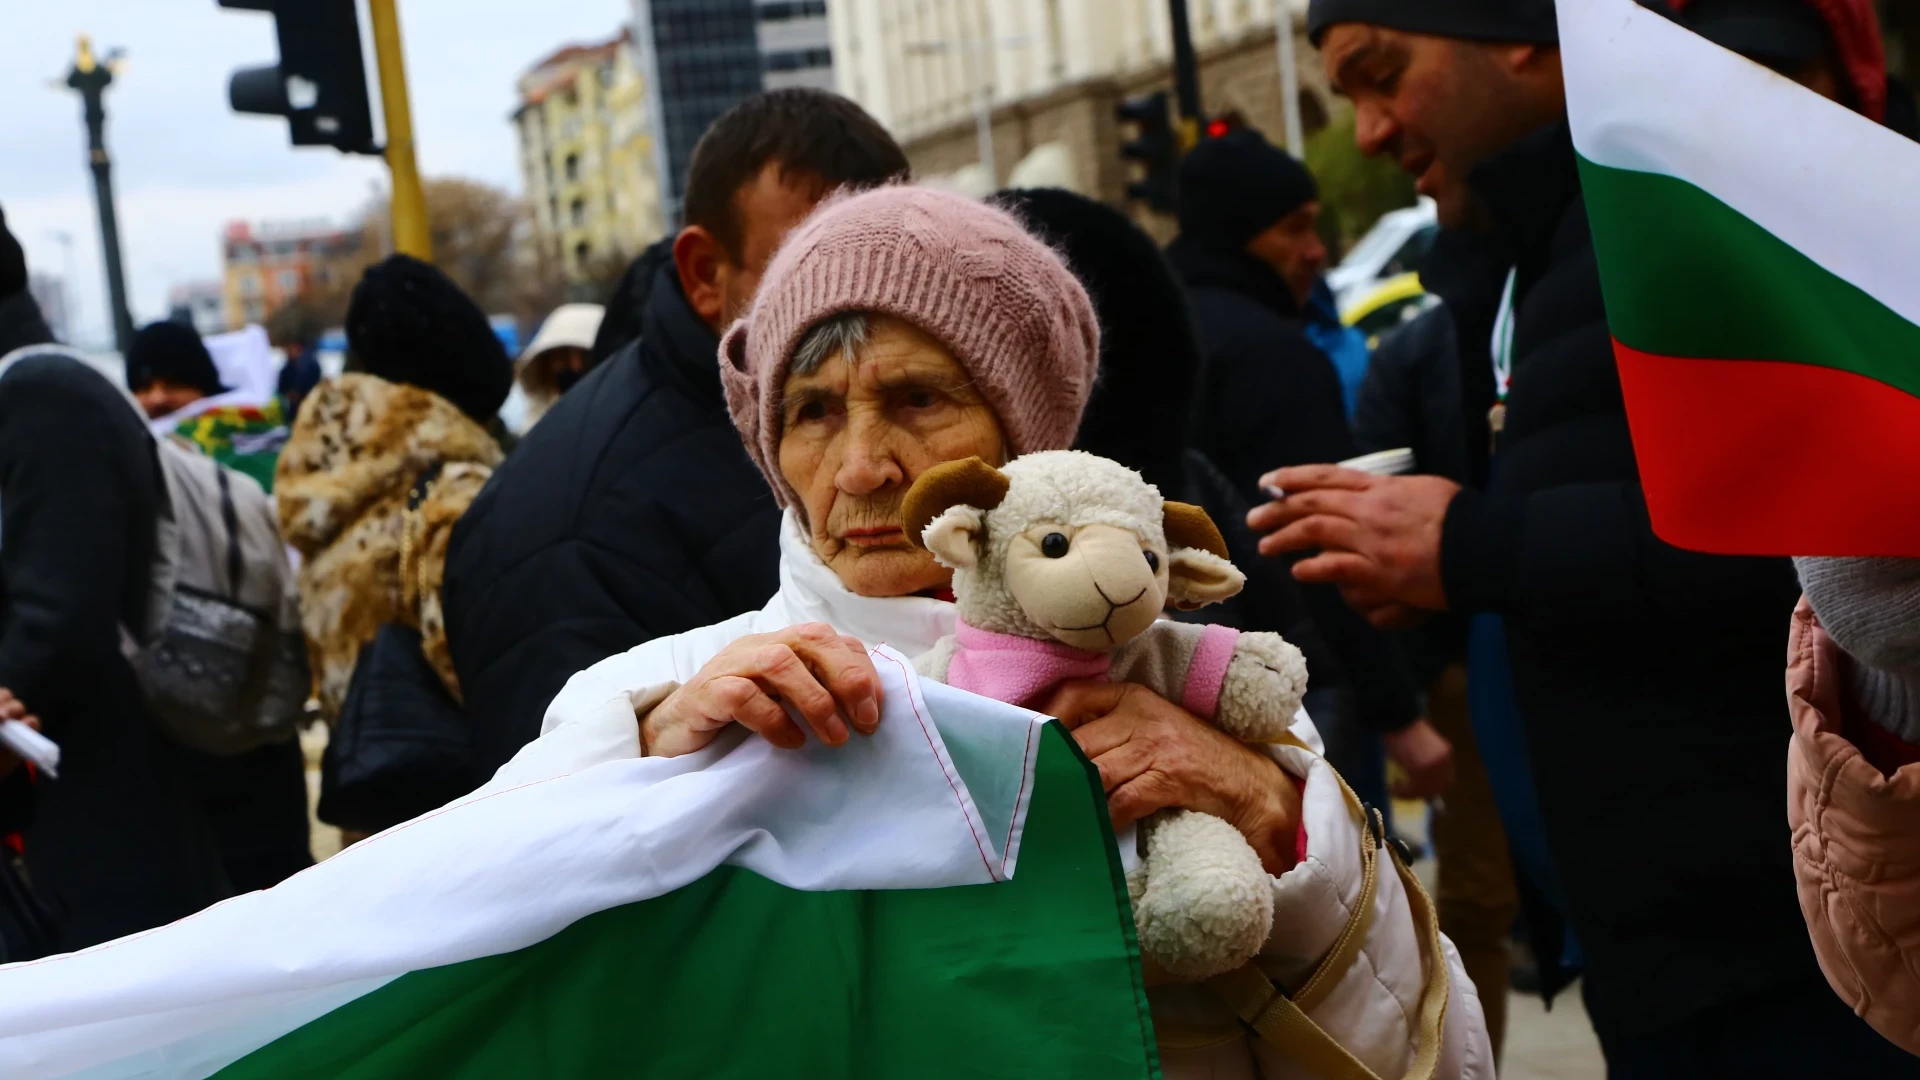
<point x="1425" y="756"/>
<point x="1378" y="536"/>
<point x="1153" y="754"/>
<point x="827" y="678"/>
<point x="12" y="708"/>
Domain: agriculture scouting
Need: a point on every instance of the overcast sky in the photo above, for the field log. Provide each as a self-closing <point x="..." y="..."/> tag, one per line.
<point x="185" y="165"/>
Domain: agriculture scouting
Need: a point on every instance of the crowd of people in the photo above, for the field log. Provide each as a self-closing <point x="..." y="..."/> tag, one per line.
<point x="705" y="526"/>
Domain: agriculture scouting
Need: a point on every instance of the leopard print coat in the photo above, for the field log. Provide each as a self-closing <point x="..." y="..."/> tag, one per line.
<point x="342" y="486"/>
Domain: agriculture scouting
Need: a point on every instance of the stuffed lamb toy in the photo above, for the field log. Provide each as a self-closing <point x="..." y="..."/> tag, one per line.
<point x="1063" y="564"/>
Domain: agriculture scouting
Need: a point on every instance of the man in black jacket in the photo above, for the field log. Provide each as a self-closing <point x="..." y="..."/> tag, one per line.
<point x="1249" y="255"/>
<point x="1648" y="678"/>
<point x="632" y="511"/>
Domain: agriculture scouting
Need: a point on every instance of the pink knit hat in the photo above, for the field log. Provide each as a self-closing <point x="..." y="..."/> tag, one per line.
<point x="962" y="271"/>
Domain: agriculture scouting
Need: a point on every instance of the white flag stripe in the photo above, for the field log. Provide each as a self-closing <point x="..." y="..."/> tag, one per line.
<point x="482" y="877"/>
<point x="1648" y="95"/>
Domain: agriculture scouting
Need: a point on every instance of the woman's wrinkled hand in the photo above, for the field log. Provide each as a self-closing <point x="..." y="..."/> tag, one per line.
<point x="1153" y="754"/>
<point x="12" y="708"/>
<point x="826" y="678"/>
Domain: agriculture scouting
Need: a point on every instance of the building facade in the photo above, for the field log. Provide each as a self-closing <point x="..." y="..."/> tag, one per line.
<point x="796" y="44"/>
<point x="700" y="57"/>
<point x="276" y="263"/>
<point x="703" y="56"/>
<point x="587" y="155"/>
<point x="1052" y="72"/>
<point x="202" y="304"/>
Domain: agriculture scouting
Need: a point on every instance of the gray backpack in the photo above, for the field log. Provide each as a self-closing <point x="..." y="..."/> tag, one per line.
<point x="222" y="661"/>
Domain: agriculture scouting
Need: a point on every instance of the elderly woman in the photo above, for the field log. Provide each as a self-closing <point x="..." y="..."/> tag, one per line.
<point x="903" y="328"/>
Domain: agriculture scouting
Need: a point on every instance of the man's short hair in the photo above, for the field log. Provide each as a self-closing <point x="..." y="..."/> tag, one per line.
<point x="812" y="134"/>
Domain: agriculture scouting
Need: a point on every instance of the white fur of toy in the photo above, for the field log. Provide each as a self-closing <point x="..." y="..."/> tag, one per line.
<point x="1202" y="901"/>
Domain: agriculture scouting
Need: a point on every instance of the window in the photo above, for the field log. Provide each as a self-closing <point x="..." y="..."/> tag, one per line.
<point x="287" y="281"/>
<point x="579" y="213"/>
<point x="781" y="10"/>
<point x="582" y="254"/>
<point x="249" y="284"/>
<point x="573" y="168"/>
<point x="796" y="59"/>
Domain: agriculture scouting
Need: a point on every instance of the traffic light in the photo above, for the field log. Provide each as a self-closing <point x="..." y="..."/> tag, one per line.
<point x="320" y="83"/>
<point x="1153" y="147"/>
<point x="1223" y="124"/>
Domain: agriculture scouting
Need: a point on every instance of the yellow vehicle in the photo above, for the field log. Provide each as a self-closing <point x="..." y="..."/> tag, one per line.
<point x="1385" y="306"/>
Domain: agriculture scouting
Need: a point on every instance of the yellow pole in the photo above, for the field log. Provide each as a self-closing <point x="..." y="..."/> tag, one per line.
<point x="410" y="233"/>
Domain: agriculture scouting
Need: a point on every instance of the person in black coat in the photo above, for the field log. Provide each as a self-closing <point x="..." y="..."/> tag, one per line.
<point x="1647" y="678"/>
<point x="119" y="843"/>
<point x="632" y="511"/>
<point x="1249" y="256"/>
<point x="1140" y="416"/>
<point x="20" y="321"/>
<point x="1139" y="411"/>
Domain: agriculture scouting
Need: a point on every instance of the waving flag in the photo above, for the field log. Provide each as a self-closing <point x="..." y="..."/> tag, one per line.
<point x="741" y="912"/>
<point x="1762" y="285"/>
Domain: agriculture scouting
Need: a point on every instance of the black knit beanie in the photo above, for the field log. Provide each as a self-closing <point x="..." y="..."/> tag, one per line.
<point x="1470" y="20"/>
<point x="409" y="323"/>
<point x="174" y="352"/>
<point x="13" y="262"/>
<point x="1233" y="188"/>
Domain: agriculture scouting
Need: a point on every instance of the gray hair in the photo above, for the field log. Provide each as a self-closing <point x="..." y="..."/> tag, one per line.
<point x="840" y="334"/>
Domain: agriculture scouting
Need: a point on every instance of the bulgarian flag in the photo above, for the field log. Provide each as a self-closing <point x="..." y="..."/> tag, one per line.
<point x="741" y="912"/>
<point x="1757" y="248"/>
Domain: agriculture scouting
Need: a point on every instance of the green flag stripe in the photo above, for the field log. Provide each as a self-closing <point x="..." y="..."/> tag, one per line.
<point x="735" y="976"/>
<point x="1686" y="275"/>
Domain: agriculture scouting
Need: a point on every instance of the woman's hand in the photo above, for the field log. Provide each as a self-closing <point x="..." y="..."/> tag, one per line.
<point x="826" y="677"/>
<point x="1153" y="754"/>
<point x="12" y="708"/>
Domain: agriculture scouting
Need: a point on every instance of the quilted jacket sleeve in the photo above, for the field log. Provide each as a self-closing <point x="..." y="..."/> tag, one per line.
<point x="1856" y="845"/>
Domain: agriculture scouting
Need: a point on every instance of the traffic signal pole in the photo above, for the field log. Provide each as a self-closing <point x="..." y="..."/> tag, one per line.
<point x="410" y="233"/>
<point x="1186" y="77"/>
<point x="91" y="78"/>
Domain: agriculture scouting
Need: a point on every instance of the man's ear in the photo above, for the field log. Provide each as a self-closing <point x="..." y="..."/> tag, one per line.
<point x="953" y="537"/>
<point x="1196" y="578"/>
<point x="697" y="258"/>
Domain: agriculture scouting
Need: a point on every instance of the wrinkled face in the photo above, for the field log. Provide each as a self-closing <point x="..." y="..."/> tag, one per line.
<point x="161" y="397"/>
<point x="1092" y="587"/>
<point x="1436" y="105"/>
<point x="856" y="434"/>
<point x="1292" y="246"/>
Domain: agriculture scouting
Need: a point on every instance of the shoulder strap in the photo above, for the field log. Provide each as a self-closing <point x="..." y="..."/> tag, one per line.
<point x="236" y="567"/>
<point x="1281" y="1020"/>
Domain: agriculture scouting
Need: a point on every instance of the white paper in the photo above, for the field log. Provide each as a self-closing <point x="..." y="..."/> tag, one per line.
<point x="31" y="745"/>
<point x="1381" y="463"/>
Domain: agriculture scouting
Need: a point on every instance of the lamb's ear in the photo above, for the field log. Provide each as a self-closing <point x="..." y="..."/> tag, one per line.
<point x="953" y="537"/>
<point x="1199" y="571"/>
<point x="1188" y="526"/>
<point x="1196" y="578"/>
<point x="971" y="482"/>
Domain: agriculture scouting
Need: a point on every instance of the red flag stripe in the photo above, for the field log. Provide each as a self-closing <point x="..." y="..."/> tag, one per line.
<point x="1749" y="457"/>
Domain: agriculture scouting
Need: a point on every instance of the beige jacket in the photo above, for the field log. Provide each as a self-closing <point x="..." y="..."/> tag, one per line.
<point x="366" y="559"/>
<point x="1856" y="846"/>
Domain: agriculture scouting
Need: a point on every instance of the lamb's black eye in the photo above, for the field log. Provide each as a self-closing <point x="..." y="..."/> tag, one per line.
<point x="1054" y="545"/>
<point x="1153" y="561"/>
